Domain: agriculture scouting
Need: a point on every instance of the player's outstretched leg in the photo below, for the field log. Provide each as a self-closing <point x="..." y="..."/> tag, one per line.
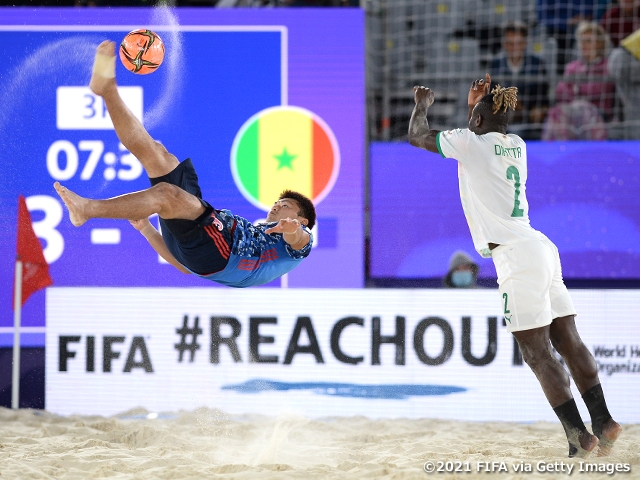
<point x="584" y="371"/>
<point x="554" y="380"/>
<point x="155" y="159"/>
<point x="168" y="201"/>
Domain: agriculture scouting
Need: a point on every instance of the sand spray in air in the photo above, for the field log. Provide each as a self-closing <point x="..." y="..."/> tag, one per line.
<point x="173" y="62"/>
<point x="42" y="67"/>
<point x="285" y="422"/>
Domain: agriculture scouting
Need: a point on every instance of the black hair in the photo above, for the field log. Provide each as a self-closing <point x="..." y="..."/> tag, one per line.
<point x="307" y="209"/>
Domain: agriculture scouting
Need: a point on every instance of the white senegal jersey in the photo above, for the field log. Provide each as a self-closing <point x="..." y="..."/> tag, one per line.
<point x="492" y="173"/>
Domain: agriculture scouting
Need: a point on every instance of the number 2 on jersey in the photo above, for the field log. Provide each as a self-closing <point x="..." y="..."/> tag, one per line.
<point x="513" y="174"/>
<point x="506" y="299"/>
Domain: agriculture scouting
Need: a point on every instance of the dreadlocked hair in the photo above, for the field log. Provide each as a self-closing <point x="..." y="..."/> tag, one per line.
<point x="504" y="98"/>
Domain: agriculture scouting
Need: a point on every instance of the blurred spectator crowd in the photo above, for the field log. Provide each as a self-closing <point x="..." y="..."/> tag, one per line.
<point x="182" y="3"/>
<point x="576" y="63"/>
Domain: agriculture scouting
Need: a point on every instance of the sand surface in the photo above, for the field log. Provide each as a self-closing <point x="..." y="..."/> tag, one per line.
<point x="207" y="443"/>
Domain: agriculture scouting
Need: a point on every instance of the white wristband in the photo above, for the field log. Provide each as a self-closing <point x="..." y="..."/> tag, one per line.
<point x="104" y="66"/>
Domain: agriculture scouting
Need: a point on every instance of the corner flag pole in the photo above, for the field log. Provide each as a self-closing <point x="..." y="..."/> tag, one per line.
<point x="17" y="308"/>
<point x="32" y="269"/>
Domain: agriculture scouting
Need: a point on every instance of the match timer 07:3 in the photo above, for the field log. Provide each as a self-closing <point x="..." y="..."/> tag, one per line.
<point x="72" y="159"/>
<point x="78" y="108"/>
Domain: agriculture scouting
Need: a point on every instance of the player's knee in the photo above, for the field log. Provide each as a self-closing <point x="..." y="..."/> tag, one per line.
<point x="160" y="147"/>
<point x="565" y="338"/>
<point x="567" y="346"/>
<point x="536" y="356"/>
<point x="530" y="358"/>
<point x="167" y="193"/>
<point x="558" y="344"/>
<point x="168" y="199"/>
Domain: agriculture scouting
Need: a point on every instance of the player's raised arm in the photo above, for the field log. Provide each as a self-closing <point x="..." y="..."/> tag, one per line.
<point x="154" y="238"/>
<point x="292" y="232"/>
<point x="479" y="88"/>
<point x="420" y="135"/>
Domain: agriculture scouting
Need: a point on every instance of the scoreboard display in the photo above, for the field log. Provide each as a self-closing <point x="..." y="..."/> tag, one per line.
<point x="223" y="71"/>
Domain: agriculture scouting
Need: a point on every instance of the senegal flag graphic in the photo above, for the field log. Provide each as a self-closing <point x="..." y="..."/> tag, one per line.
<point x="283" y="148"/>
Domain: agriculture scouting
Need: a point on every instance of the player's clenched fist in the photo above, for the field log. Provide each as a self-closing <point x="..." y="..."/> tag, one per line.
<point x="286" y="225"/>
<point x="423" y="94"/>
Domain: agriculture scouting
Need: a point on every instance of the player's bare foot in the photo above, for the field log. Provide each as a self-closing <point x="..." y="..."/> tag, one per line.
<point x="104" y="70"/>
<point x="75" y="203"/>
<point x="611" y="430"/>
<point x="585" y="444"/>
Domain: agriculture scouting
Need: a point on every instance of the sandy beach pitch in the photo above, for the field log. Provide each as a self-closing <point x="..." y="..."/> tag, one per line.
<point x="207" y="443"/>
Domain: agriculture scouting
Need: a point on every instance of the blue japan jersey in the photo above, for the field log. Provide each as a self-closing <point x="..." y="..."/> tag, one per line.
<point x="256" y="257"/>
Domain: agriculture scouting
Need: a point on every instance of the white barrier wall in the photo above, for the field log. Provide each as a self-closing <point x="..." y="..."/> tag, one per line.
<point x="378" y="353"/>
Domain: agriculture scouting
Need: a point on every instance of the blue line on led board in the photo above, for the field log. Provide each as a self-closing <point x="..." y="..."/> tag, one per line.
<point x="389" y="392"/>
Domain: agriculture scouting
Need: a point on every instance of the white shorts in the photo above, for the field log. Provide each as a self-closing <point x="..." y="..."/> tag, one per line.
<point x="530" y="282"/>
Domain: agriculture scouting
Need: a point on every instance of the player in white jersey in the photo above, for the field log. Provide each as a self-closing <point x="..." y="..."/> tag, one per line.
<point x="492" y="173"/>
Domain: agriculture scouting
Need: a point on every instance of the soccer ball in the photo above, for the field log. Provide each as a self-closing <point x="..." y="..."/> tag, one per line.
<point x="141" y="51"/>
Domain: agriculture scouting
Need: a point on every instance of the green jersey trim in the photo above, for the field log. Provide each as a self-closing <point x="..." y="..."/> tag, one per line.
<point x="438" y="145"/>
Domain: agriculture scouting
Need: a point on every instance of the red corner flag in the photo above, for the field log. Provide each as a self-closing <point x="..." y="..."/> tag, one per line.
<point x="35" y="269"/>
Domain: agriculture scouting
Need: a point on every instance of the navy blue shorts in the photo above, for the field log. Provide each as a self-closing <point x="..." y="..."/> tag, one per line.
<point x="202" y="245"/>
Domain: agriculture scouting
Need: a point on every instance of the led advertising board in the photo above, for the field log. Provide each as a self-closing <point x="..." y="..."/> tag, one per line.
<point x="321" y="352"/>
<point x="582" y="195"/>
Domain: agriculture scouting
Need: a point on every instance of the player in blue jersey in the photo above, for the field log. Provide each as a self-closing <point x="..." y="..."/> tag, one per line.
<point x="196" y="238"/>
<point x="492" y="175"/>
